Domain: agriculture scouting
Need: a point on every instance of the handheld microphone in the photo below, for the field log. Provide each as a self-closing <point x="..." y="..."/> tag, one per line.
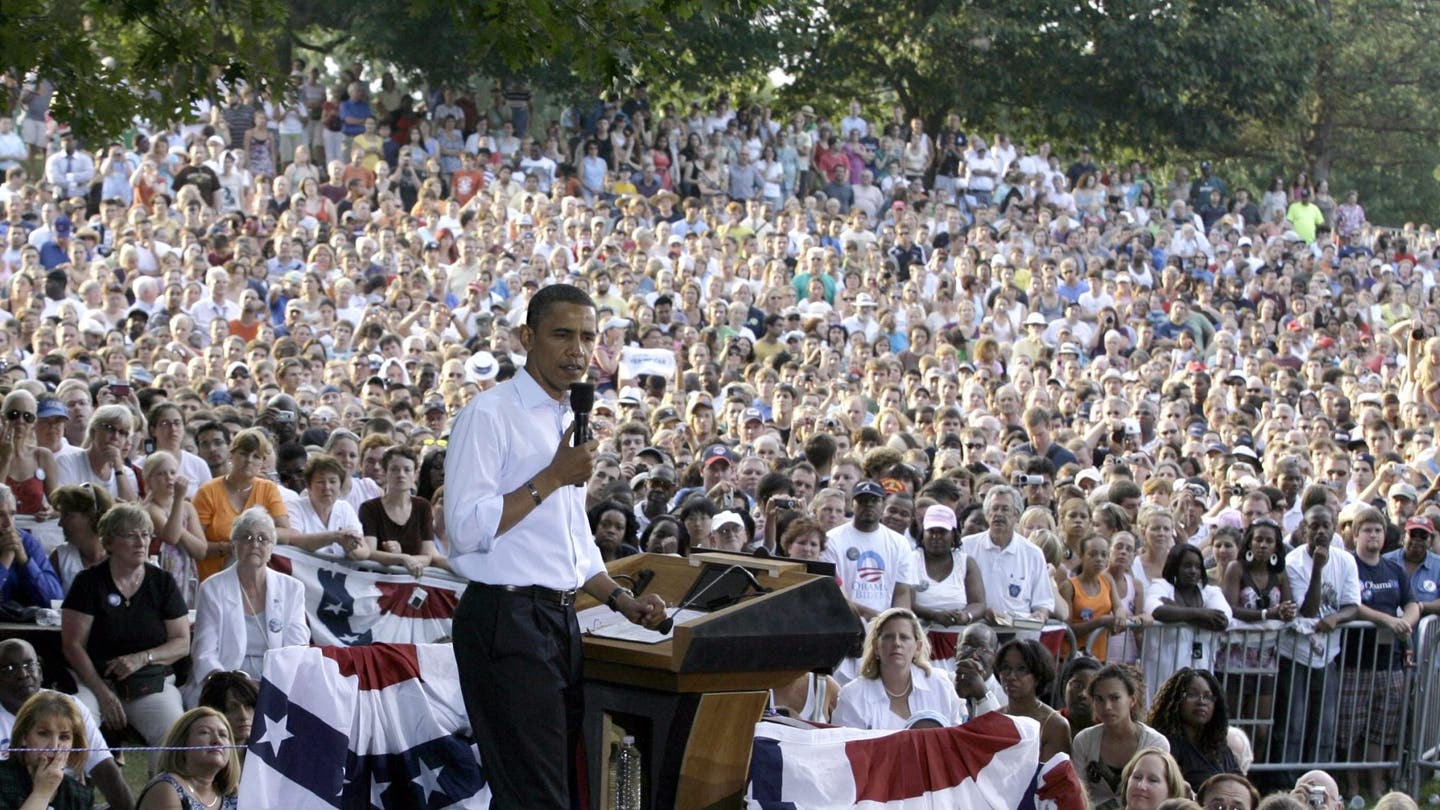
<point x="669" y="623"/>
<point x="582" y="399"/>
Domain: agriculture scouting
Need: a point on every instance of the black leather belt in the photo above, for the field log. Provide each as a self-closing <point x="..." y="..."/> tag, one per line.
<point x="561" y="598"/>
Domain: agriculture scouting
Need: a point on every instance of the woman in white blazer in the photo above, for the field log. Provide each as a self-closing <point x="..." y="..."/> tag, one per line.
<point x="246" y="609"/>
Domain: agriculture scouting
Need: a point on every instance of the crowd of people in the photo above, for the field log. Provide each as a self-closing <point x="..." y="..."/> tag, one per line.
<point x="996" y="387"/>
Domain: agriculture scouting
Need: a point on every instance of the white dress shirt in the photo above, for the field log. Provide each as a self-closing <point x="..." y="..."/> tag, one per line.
<point x="505" y="437"/>
<point x="864" y="704"/>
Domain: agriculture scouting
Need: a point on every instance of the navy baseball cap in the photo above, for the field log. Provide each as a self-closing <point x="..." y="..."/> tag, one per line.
<point x="868" y="488"/>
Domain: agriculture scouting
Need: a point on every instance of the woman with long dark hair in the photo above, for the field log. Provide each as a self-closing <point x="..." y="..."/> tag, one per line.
<point x="1191" y="712"/>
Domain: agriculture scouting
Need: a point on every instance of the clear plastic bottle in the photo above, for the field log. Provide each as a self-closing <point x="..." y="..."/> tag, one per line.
<point x="625" y="776"/>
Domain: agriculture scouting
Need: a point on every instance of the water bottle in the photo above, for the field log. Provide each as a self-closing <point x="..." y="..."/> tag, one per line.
<point x="625" y="776"/>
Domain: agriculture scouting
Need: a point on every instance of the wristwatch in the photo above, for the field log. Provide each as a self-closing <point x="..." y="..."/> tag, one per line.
<point x="613" y="600"/>
<point x="149" y="658"/>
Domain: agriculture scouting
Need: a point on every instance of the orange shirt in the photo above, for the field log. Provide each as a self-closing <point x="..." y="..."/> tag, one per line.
<point x="217" y="514"/>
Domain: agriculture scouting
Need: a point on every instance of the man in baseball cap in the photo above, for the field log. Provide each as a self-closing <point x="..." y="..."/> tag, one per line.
<point x="873" y="563"/>
<point x="717" y="465"/>
<point x="1418" y="557"/>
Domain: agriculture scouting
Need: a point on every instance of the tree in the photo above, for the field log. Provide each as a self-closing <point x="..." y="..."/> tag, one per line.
<point x="1182" y="75"/>
<point x="114" y="62"/>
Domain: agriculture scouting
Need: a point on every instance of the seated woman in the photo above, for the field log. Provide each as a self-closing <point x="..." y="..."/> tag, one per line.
<point x="103" y="461"/>
<point x="1102" y="751"/>
<point x="247" y="609"/>
<point x="1189" y="612"/>
<point x="180" y="537"/>
<point x="206" y="778"/>
<point x="234" y="695"/>
<point x="614" y="529"/>
<point x="37" y="781"/>
<point x="122" y="629"/>
<point x="1190" y="711"/>
<point x="25" y="573"/>
<point x="25" y="466"/>
<point x="1026" y="671"/>
<point x="398" y="525"/>
<point x="1152" y="777"/>
<point x="321" y="520"/>
<point x="81" y="506"/>
<point x="896" y="678"/>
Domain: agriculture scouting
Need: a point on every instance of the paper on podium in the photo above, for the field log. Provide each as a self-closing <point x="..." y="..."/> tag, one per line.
<point x="602" y="622"/>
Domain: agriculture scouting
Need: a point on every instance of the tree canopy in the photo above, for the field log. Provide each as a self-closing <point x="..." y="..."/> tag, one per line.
<point x="1337" y="86"/>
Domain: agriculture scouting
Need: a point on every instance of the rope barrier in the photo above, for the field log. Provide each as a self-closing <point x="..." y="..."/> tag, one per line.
<point x="127" y="748"/>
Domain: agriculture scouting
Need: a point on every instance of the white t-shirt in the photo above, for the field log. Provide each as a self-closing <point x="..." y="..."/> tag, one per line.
<point x="869" y="565"/>
<point x="1340" y="587"/>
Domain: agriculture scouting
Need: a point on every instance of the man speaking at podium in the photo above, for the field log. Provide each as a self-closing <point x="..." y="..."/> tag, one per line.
<point x="515" y="511"/>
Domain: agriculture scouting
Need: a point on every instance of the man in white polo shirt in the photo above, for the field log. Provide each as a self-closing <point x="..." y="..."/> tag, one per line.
<point x="1017" y="582"/>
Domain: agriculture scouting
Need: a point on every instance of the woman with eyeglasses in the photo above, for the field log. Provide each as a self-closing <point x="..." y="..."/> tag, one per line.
<point x="81" y="507"/>
<point x="123" y="626"/>
<point x="1026" y="671"/>
<point x="107" y="440"/>
<point x="1190" y="710"/>
<point x="246" y="609"/>
<point x="28" y="469"/>
<point x="222" y="499"/>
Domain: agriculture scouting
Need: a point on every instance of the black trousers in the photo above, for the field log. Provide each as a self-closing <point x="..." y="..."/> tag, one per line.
<point x="520" y="673"/>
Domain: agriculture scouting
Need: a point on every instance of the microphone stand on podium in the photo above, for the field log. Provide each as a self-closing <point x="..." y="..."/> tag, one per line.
<point x="692" y="700"/>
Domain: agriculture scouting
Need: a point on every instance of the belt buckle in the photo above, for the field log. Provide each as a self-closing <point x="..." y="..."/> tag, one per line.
<point x="565" y="598"/>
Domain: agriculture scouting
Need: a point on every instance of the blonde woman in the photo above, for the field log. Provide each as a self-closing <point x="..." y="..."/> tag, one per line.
<point x="896" y="678"/>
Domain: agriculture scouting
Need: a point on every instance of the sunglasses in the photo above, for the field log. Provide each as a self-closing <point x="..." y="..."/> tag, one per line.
<point x="13" y="415"/>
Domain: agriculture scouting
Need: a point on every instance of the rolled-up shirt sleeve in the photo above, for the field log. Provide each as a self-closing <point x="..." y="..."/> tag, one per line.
<point x="472" y="478"/>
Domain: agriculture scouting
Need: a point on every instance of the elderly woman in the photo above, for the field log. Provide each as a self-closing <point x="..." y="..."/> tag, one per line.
<point x="248" y="608"/>
<point x="81" y="506"/>
<point x="222" y="499"/>
<point x="29" y="469"/>
<point x="182" y="538"/>
<point x="123" y="626"/>
<point x="107" y="440"/>
<point x="896" y="679"/>
<point x="323" y="523"/>
<point x="205" y="775"/>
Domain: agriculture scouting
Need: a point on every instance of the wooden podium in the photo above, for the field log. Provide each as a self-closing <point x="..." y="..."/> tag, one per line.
<point x="692" y="701"/>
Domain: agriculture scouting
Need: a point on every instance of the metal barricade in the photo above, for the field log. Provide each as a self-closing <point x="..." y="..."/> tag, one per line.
<point x="1337" y="701"/>
<point x="1423" y="746"/>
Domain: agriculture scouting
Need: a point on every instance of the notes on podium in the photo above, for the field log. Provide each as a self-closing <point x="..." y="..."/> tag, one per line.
<point x="602" y="622"/>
